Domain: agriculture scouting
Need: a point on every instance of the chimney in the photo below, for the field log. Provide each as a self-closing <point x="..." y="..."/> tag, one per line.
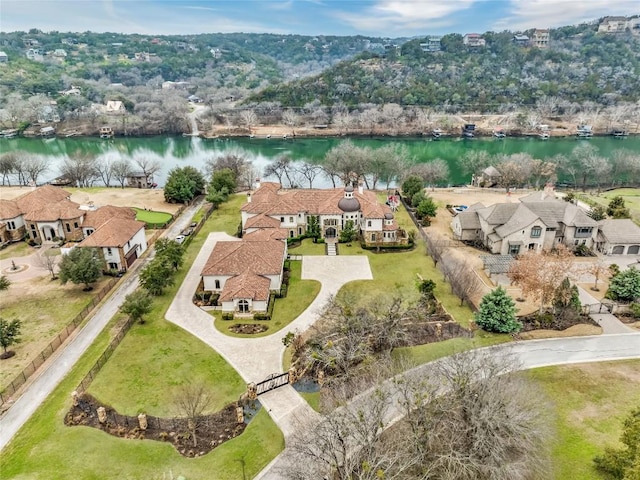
<point x="360" y="188"/>
<point x="248" y="197"/>
<point x="257" y="183"/>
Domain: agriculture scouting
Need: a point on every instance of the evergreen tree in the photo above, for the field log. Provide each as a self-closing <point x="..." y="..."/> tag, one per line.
<point x="81" y="265"/>
<point x="625" y="285"/>
<point x="412" y="185"/>
<point x="137" y="305"/>
<point x="156" y="276"/>
<point x="348" y="233"/>
<point x="183" y="185"/>
<point x="313" y="227"/>
<point x="171" y="251"/>
<point x="9" y="335"/>
<point x="427" y="209"/>
<point x="617" y="208"/>
<point x="223" y="178"/>
<point x="497" y="313"/>
<point x="597" y="212"/>
<point x="623" y="463"/>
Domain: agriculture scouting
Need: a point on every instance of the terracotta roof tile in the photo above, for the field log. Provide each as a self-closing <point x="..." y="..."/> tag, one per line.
<point x="264" y="234"/>
<point x="262" y="221"/>
<point x="41" y="197"/>
<point x="233" y="258"/>
<point x="115" y="232"/>
<point x="9" y="209"/>
<point x="62" y="210"/>
<point x="246" y="285"/>
<point x="96" y="218"/>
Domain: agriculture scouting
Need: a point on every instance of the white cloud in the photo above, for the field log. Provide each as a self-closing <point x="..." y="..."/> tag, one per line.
<point x="403" y="15"/>
<point x="524" y="14"/>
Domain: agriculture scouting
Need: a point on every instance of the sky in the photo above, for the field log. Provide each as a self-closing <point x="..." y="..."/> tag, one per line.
<point x="379" y="18"/>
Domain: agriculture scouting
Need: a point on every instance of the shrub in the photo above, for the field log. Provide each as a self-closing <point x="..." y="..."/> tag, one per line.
<point x="261" y="316"/>
<point x="227" y="316"/>
<point x="635" y="309"/>
<point x="497" y="313"/>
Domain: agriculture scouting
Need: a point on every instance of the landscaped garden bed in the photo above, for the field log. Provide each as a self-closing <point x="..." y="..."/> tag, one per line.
<point x="212" y="430"/>
<point x="550" y="321"/>
<point x="248" y="328"/>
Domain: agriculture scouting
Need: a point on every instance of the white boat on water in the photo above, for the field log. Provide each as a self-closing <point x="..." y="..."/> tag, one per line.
<point x="436" y="133"/>
<point x="499" y="133"/>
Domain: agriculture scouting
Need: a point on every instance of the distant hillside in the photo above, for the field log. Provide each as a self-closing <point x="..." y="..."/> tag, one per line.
<point x="49" y="62"/>
<point x="579" y="65"/>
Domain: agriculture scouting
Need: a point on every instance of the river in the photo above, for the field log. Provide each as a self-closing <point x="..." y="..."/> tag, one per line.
<point x="182" y="151"/>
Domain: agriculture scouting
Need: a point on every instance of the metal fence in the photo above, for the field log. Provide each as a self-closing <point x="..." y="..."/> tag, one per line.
<point x="42" y="357"/>
<point x="88" y="378"/>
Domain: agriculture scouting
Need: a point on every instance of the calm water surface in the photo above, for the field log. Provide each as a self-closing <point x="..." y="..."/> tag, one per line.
<point x="182" y="151"/>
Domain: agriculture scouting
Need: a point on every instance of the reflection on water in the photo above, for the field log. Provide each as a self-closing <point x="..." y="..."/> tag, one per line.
<point x="181" y="151"/>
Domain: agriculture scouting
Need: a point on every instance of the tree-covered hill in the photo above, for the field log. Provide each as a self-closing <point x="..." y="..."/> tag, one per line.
<point x="579" y="66"/>
<point x="244" y="61"/>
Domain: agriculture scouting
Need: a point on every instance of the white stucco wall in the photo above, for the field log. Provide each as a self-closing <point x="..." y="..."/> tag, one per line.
<point x="210" y="281"/>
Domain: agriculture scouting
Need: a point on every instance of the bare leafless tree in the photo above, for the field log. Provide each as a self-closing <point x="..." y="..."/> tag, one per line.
<point x="436" y="246"/>
<point x="104" y="167"/>
<point x="148" y="166"/>
<point x="249" y="119"/>
<point x="291" y="119"/>
<point x="80" y="169"/>
<point x="49" y="262"/>
<point x="121" y="170"/>
<point x="460" y="274"/>
<point x="34" y="166"/>
<point x="309" y="171"/>
<point x="192" y="401"/>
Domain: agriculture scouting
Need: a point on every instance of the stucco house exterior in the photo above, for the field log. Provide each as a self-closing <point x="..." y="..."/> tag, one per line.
<point x="618" y="237"/>
<point x="245" y="272"/>
<point x="271" y="206"/>
<point x="537" y="222"/>
<point x="120" y="242"/>
<point x="47" y="214"/>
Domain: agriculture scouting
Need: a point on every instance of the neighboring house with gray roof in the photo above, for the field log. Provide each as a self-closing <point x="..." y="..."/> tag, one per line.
<point x="536" y="223"/>
<point x="618" y="237"/>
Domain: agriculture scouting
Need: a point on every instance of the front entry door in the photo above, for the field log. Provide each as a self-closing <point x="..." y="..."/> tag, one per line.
<point x="330" y="232"/>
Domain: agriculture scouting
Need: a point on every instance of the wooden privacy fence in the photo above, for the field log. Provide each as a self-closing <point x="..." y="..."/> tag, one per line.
<point x="24" y="375"/>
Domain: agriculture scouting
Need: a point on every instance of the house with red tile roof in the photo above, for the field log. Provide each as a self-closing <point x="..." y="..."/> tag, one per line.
<point x="245" y="272"/>
<point x="271" y="206"/>
<point x="47" y="214"/>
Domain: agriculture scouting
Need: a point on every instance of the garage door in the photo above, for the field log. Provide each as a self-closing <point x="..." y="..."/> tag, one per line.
<point x="634" y="250"/>
<point x="618" y="250"/>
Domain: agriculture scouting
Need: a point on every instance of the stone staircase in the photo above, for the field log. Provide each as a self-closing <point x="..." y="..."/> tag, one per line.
<point x="332" y="251"/>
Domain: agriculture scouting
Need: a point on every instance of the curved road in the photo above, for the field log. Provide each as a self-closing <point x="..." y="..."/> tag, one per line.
<point x="64" y="360"/>
<point x="531" y="354"/>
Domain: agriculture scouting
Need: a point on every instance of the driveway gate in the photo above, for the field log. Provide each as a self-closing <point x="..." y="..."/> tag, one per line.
<point x="272" y="382"/>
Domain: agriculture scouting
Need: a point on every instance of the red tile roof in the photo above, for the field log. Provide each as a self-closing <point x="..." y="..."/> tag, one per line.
<point x="264" y="234"/>
<point x="246" y="285"/>
<point x="234" y="258"/>
<point x="115" y="232"/>
<point x="9" y="209"/>
<point x="96" y="218"/>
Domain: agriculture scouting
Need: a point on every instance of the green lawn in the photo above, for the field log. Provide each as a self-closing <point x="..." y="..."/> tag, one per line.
<point x="631" y="198"/>
<point x="299" y="296"/>
<point x="149" y="216"/>
<point x="307" y="247"/>
<point x="147" y="366"/>
<point x="591" y="402"/>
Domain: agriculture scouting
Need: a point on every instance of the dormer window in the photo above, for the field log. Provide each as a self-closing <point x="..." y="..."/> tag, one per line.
<point x="536" y="232"/>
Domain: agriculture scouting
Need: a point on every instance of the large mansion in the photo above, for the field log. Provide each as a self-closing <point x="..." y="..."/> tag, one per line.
<point x="540" y="221"/>
<point x="271" y="206"/>
<point x="47" y="215"/>
<point x="244" y="272"/>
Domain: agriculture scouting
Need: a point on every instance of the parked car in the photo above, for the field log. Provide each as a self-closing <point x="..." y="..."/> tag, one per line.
<point x="187" y="231"/>
<point x="193" y="224"/>
<point x="180" y="238"/>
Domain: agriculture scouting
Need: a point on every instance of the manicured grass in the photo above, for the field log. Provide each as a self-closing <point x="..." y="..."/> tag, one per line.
<point x="591" y="401"/>
<point x="299" y="296"/>
<point x="46" y="449"/>
<point x="17" y="249"/>
<point x="154" y="359"/>
<point x="150" y="216"/>
<point x="631" y="198"/>
<point x="307" y="247"/>
<point x="312" y="398"/>
<point x="396" y="274"/>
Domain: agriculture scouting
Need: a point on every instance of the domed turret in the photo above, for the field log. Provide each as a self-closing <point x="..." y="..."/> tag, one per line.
<point x="349" y="203"/>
